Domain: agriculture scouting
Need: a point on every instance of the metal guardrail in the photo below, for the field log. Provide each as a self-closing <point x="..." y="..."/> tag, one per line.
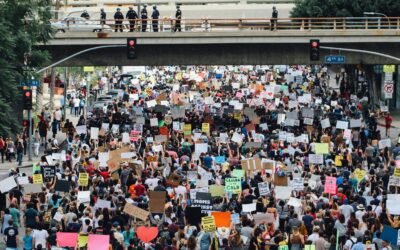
<point x="207" y="25"/>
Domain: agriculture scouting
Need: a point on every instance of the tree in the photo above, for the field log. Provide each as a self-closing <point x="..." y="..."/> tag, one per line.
<point x="23" y="25"/>
<point x="344" y="8"/>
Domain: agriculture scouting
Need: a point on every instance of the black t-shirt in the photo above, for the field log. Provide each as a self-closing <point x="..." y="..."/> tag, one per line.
<point x="11" y="234"/>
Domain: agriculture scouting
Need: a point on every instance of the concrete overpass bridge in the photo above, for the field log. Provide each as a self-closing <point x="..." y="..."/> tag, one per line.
<point x="236" y="41"/>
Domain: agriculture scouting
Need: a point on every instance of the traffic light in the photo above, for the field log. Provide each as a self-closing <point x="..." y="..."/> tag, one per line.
<point x="27" y="99"/>
<point x="131" y="45"/>
<point x="314" y="50"/>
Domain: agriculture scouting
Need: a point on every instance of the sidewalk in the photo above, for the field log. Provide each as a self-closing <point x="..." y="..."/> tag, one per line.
<point x="61" y="137"/>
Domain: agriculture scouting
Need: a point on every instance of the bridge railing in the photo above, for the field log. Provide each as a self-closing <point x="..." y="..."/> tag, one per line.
<point x="209" y="25"/>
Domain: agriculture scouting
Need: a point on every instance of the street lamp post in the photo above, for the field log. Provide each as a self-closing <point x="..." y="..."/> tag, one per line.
<point x="378" y="14"/>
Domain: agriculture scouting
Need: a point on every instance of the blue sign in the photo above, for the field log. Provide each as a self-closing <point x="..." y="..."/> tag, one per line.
<point x="30" y="83"/>
<point x="335" y="59"/>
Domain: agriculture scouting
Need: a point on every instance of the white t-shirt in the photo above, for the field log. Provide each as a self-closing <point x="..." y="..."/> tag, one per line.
<point x="58" y="115"/>
<point x="180" y="190"/>
<point x="40" y="237"/>
<point x="346" y="210"/>
<point x="152" y="183"/>
<point x="76" y="102"/>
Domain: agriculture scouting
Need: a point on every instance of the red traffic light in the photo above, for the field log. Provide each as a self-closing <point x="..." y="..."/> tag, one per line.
<point x="27" y="93"/>
<point x="314" y="44"/>
<point x="131" y="42"/>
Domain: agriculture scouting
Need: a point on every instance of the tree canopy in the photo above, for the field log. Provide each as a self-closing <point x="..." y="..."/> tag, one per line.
<point x="23" y="24"/>
<point x="344" y="8"/>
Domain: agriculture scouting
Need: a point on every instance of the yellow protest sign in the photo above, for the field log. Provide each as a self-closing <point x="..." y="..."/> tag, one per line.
<point x="37" y="179"/>
<point x="208" y="224"/>
<point x="338" y="160"/>
<point x="389" y="68"/>
<point x="88" y="69"/>
<point x="83" y="179"/>
<point x="359" y="174"/>
<point x="397" y="172"/>
<point x="83" y="240"/>
<point x="187" y="129"/>
<point x="237" y="116"/>
<point x="205" y="128"/>
<point x="321" y="148"/>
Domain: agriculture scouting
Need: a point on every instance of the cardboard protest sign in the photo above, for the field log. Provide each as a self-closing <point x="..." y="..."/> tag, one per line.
<point x="32" y="188"/>
<point x="216" y="190"/>
<point x="157" y="201"/>
<point x="7" y="184"/>
<point x="222" y="219"/>
<point x="37" y="179"/>
<point x="203" y="200"/>
<point x="294" y="202"/>
<point x="263" y="188"/>
<point x="233" y="185"/>
<point x="251" y="164"/>
<point x="136" y="212"/>
<point x="83" y="179"/>
<point x="263" y="218"/>
<point x="208" y="224"/>
<point x="330" y="185"/>
<point x="62" y="186"/>
<point x="280" y="180"/>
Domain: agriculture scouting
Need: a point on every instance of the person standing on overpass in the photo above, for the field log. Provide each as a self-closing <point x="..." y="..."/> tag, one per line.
<point x="178" y="16"/>
<point x="155" y="15"/>
<point x="274" y="18"/>
<point x="143" y="16"/>
<point x="131" y="15"/>
<point x="103" y="17"/>
<point x="118" y="17"/>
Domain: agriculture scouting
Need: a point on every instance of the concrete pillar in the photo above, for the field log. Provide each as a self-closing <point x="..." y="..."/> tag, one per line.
<point x="396" y="95"/>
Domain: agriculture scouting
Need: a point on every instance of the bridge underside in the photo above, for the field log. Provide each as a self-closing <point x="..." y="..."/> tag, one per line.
<point x="221" y="54"/>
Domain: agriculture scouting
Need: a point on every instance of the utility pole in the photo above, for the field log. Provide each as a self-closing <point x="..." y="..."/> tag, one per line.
<point x="66" y="82"/>
<point x="52" y="84"/>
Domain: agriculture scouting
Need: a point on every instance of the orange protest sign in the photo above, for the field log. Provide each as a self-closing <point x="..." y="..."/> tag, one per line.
<point x="222" y="219"/>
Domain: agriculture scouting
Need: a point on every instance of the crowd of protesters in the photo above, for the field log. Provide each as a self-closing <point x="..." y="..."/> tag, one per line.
<point x="312" y="165"/>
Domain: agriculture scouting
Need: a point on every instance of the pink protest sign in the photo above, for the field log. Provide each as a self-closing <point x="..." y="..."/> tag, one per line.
<point x="134" y="136"/>
<point x="330" y="185"/>
<point x="239" y="94"/>
<point x="67" y="239"/>
<point x="98" y="242"/>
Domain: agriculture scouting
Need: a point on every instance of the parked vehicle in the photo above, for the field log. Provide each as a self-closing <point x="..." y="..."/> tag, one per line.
<point x="79" y="24"/>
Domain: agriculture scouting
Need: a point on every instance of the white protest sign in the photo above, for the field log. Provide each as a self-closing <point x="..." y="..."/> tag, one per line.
<point x="316" y="159"/>
<point x="248" y="208"/>
<point x="237" y="137"/>
<point x="355" y="123"/>
<point x="384" y="143"/>
<point x="94" y="133"/>
<point x="83" y="196"/>
<point x="325" y="123"/>
<point x="103" y="158"/>
<point x="294" y="202"/>
<point x="342" y="125"/>
<point x="80" y="129"/>
<point x="283" y="192"/>
<point x="201" y="147"/>
<point x="7" y="184"/>
<point x="103" y="204"/>
<point x="263" y="188"/>
<point x="154" y="122"/>
<point x="125" y="138"/>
